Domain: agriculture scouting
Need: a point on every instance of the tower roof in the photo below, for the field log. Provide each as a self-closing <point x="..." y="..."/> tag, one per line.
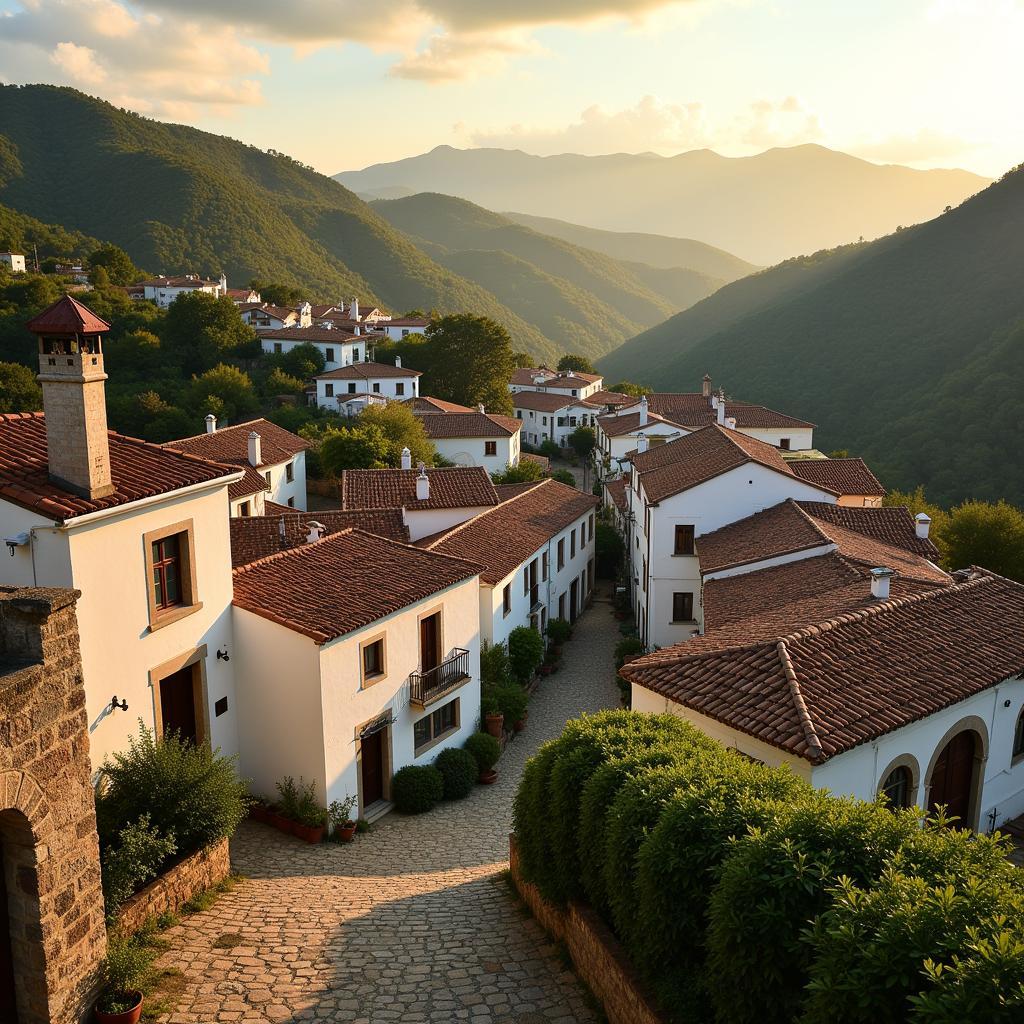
<point x="68" y="316"/>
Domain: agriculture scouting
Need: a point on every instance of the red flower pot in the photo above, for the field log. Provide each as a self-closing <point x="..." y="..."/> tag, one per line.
<point x="308" y="833"/>
<point x="494" y="725"/>
<point x="347" y="832"/>
<point x="131" y="1016"/>
<point x="488" y="777"/>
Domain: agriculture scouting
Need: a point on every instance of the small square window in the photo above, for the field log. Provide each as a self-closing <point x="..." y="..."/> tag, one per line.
<point x="490" y="447"/>
<point x="289" y="472"/>
<point x="245" y="510"/>
<point x="351" y="389"/>
<point x="376" y="387"/>
<point x="400" y="388"/>
<point x="291" y="503"/>
<point x="684" y="540"/>
<point x="373" y="660"/>
<point x="329" y="390"/>
<point x="682" y="607"/>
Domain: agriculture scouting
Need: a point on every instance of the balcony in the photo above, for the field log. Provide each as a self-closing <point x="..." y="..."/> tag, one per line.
<point x="427" y="687"/>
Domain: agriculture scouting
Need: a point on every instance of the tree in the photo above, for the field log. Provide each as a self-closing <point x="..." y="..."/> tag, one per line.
<point x="201" y="329"/>
<point x="986" y="534"/>
<point x="470" y="361"/>
<point x="99" y="278"/>
<point x="526" y="472"/>
<point x="277" y="294"/>
<point x="583" y="441"/>
<point x="116" y="262"/>
<point x="280" y="383"/>
<point x="576" y="363"/>
<point x="356" y="447"/>
<point x="525" y="652"/>
<point x="626" y="387"/>
<point x="19" y="391"/>
<point x="304" y="361"/>
<point x="608" y="550"/>
<point x="224" y="390"/>
<point x="403" y="429"/>
<point x="523" y="360"/>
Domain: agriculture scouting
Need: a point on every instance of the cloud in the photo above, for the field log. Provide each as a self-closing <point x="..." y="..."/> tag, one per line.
<point x="785" y="123"/>
<point x="446" y="58"/>
<point x="920" y="147"/>
<point x="79" y="63"/>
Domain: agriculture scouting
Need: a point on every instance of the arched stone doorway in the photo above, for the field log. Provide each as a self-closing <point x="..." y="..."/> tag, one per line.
<point x="8" y="1000"/>
<point x="955" y="775"/>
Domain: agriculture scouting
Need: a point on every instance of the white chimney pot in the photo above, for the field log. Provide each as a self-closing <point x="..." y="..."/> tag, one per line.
<point x="642" y="444"/>
<point x="480" y="407"/>
<point x="880" y="579"/>
<point x="922" y="524"/>
<point x="316" y="531"/>
<point x="423" y="484"/>
<point x="398" y="361"/>
<point x="255" y="449"/>
<point x="406" y="459"/>
<point x="720" y="409"/>
<point x="211" y="423"/>
<point x="643" y="411"/>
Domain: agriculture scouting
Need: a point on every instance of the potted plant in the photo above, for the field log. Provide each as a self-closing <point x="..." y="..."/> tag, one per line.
<point x="486" y="749"/>
<point x="494" y="720"/>
<point x="311" y="819"/>
<point x="124" y="968"/>
<point x="512" y="701"/>
<point x="342" y="825"/>
<point x="559" y="631"/>
<point x="286" y="814"/>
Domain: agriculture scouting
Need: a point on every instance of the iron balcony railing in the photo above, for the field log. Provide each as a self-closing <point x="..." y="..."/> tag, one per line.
<point x="426" y="687"/>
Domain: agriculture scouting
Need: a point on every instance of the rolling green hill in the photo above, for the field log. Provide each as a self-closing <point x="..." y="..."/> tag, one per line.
<point x="180" y="200"/>
<point x="635" y="246"/>
<point x="908" y="350"/>
<point x="575" y="296"/>
<point x="19" y="233"/>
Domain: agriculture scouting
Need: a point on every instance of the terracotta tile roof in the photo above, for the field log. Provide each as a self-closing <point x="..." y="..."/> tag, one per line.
<point x="422" y="404"/>
<point x="617" y="491"/>
<point x="183" y="281"/>
<point x="342" y="583"/>
<point x="830" y="686"/>
<point x="67" y="316"/>
<point x="282" y="313"/>
<point x="544" y="401"/>
<point x="139" y="470"/>
<point x="321" y="310"/>
<point x="542" y="460"/>
<point x="506" y="491"/>
<point x="891" y="524"/>
<point x="523" y="377"/>
<point x="454" y="487"/>
<point x="231" y="444"/>
<point x="311" y="334"/>
<point x="470" y="424"/>
<point x="694" y="410"/>
<point x="844" y="476"/>
<point x="368" y="371"/>
<point x="252" y="482"/>
<point x="610" y="398"/>
<point x="255" y="537"/>
<point x="629" y="423"/>
<point x="502" y="538"/>
<point x="667" y="469"/>
<point x="407" y="321"/>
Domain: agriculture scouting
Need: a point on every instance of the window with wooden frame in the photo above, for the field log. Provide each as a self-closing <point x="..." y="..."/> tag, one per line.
<point x="372" y="655"/>
<point x="245" y="509"/>
<point x="400" y="388"/>
<point x="170" y="573"/>
<point x="506" y="600"/>
<point x="490" y="447"/>
<point x="329" y="390"/>
<point x="561" y="554"/>
<point x="682" y="607"/>
<point x="684" y="540"/>
<point x="329" y="355"/>
<point x="572" y="543"/>
<point x="289" y="473"/>
<point x="436" y="726"/>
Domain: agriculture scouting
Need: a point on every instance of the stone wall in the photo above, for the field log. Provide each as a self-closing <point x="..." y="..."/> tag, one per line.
<point x="50" y="852"/>
<point x="599" y="960"/>
<point x="175" y="887"/>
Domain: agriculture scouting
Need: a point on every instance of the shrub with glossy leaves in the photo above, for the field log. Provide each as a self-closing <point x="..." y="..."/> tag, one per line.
<point x="417" y="788"/>
<point x="137" y="854"/>
<point x="525" y="652"/>
<point x="485" y="750"/>
<point x="559" y="630"/>
<point x="511" y="701"/>
<point x="459" y="770"/>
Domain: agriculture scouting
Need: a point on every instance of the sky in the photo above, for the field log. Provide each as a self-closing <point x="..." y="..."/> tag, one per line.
<point x="340" y="84"/>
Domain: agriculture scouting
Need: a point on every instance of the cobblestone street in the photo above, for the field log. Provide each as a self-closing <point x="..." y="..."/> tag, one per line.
<point x="412" y="922"/>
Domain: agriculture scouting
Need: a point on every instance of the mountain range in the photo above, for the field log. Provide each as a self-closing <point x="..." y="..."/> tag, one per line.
<point x="908" y="350"/>
<point x="764" y="208"/>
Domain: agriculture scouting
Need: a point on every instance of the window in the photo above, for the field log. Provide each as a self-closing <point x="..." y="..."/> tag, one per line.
<point x="405" y="332"/>
<point x="784" y="444"/>
<point x="506" y="600"/>
<point x="329" y="355"/>
<point x="561" y="554"/>
<point x="561" y="606"/>
<point x="167" y="571"/>
<point x="244" y="510"/>
<point x="266" y="476"/>
<point x="373" y="660"/>
<point x="376" y="387"/>
<point x="490" y="447"/>
<point x="1018" y="736"/>
<point x="897" y="786"/>
<point x="400" y="388"/>
<point x="277" y="348"/>
<point x="544" y="566"/>
<point x="590" y="527"/>
<point x="561" y="421"/>
<point x="572" y="543"/>
<point x="545" y="421"/>
<point x="289" y="475"/>
<point x="352" y="389"/>
<point x="682" y="607"/>
<point x="573" y="392"/>
<point x="291" y="503"/>
<point x="519" y="414"/>
<point x="435" y="726"/>
<point x="329" y="390"/>
<point x="526" y="579"/>
<point x="645" y="574"/>
<point x="170" y="573"/>
<point x="684" y="540"/>
<point x="355" y="355"/>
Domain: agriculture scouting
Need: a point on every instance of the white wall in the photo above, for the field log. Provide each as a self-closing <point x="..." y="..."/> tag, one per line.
<point x="256" y="504"/>
<point x="280" y="489"/>
<point x="429" y="521"/>
<point x="544" y="426"/>
<point x="386" y="387"/>
<point x="800" y="438"/>
<point x="616" y="448"/>
<point x="469" y="451"/>
<point x="345" y="350"/>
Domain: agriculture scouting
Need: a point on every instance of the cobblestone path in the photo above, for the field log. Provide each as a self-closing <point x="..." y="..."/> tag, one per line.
<point x="412" y="922"/>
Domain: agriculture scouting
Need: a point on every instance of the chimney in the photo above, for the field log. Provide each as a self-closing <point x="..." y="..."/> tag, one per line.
<point x="922" y="523"/>
<point x="211" y="423"/>
<point x="730" y="422"/>
<point x="642" y="444"/>
<point x="353" y="312"/>
<point x="707" y="386"/>
<point x="423" y="484"/>
<point x="255" y="449"/>
<point x="480" y="408"/>
<point x="880" y="583"/>
<point x="74" y="399"/>
<point x="223" y="284"/>
<point x="316" y="531"/>
<point x="398" y="362"/>
<point x="406" y="459"/>
<point x="643" y="411"/>
<point x="720" y="409"/>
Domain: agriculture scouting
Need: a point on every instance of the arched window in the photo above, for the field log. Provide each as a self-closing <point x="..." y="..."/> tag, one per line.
<point x="897" y="785"/>
<point x="1018" y="736"/>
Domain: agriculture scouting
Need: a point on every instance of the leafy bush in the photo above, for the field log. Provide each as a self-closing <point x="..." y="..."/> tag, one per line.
<point x="627" y="648"/>
<point x="559" y="631"/>
<point x="189" y="792"/>
<point x="137" y="856"/>
<point x="417" y="788"/>
<point x="339" y="813"/>
<point x="459" y="771"/>
<point x="549" y="449"/>
<point x="288" y="798"/>
<point x="495" y="669"/>
<point x="297" y="801"/>
<point x="525" y="652"/>
<point x="125" y="970"/>
<point x="485" y="749"/>
<point x="563" y="476"/>
<point x="512" y="701"/>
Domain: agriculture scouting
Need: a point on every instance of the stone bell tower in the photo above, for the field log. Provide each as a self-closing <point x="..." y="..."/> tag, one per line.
<point x="74" y="400"/>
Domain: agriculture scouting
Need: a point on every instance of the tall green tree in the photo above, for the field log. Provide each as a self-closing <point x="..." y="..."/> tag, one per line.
<point x="223" y="390"/>
<point x="116" y="262"/>
<point x="576" y="363"/>
<point x="201" y="329"/>
<point x="402" y="429"/>
<point x="355" y="447"/>
<point x="987" y="534"/>
<point x="627" y="387"/>
<point x="19" y="391"/>
<point x="470" y="361"/>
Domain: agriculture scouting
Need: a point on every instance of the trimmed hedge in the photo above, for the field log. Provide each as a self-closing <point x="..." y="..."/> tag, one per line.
<point x="742" y="894"/>
<point x="484" y="749"/>
<point x="417" y="788"/>
<point x="459" y="771"/>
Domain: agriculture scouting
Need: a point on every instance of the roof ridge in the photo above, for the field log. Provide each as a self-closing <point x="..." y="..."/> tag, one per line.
<point x="459" y="527"/>
<point x="811" y="521"/>
<point x="219" y="430"/>
<point x="291" y="551"/>
<point x="806" y="722"/>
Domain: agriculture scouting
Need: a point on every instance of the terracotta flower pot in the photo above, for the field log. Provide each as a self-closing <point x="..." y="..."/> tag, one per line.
<point x="494" y="725"/>
<point x="488" y="777"/>
<point x="347" y="832"/>
<point x="308" y="833"/>
<point x="279" y="821"/>
<point x="131" y="1016"/>
<point x="520" y="725"/>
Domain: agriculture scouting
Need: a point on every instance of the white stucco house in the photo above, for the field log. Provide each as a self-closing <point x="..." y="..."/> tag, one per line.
<point x="397" y="328"/>
<point x="568" y="384"/>
<point x="13" y="261"/>
<point x="164" y="290"/>
<point x="264" y="316"/>
<point x="272" y="460"/>
<point x="620" y="435"/>
<point x="359" y="656"/>
<point x="536" y="552"/>
<point x="339" y="348"/>
<point x="475" y="438"/>
<point x="384" y="380"/>
<point x="551" y="416"/>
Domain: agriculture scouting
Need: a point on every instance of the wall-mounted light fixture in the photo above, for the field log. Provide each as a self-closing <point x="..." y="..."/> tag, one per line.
<point x="118" y="705"/>
<point x="223" y="656"/>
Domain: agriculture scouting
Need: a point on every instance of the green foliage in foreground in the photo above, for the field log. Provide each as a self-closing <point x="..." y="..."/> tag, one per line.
<point x="742" y="895"/>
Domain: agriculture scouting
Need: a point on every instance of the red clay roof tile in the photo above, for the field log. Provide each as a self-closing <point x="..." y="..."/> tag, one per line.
<point x="451" y="487"/>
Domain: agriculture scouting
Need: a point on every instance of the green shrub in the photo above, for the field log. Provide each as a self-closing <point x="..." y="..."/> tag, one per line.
<point x="774" y="882"/>
<point x="512" y="701"/>
<point x="485" y="750"/>
<point x="528" y="803"/>
<point x="550" y="449"/>
<point x="297" y="801"/>
<point x="495" y="669"/>
<point x="189" y="791"/>
<point x="559" y="631"/>
<point x="417" y="788"/>
<point x="459" y="771"/>
<point x="563" y="476"/>
<point x="135" y="857"/>
<point x="126" y="968"/>
<point x="525" y="652"/>
<point x="288" y="798"/>
<point x="626" y="648"/>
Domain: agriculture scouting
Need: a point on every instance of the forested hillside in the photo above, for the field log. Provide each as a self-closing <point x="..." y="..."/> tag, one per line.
<point x="908" y="351"/>
<point x="178" y="199"/>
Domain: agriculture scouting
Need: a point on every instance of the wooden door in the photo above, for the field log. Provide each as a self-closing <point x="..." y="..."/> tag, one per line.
<point x="953" y="778"/>
<point x="574" y="589"/>
<point x="178" y="705"/>
<point x="430" y="642"/>
<point x="8" y="1009"/>
<point x="372" y="768"/>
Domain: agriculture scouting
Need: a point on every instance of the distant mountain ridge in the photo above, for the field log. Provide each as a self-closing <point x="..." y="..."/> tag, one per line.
<point x="764" y="208"/>
<point x="908" y="350"/>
